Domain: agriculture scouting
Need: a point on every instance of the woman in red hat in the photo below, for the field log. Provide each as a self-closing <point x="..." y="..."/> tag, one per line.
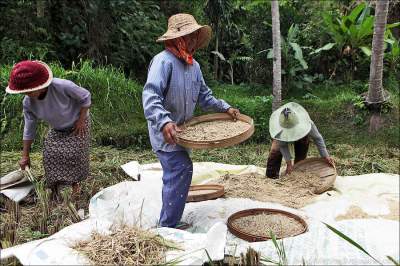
<point x="65" y="107"/>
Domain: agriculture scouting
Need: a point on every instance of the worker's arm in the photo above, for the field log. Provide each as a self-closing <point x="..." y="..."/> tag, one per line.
<point x="28" y="136"/>
<point x="25" y="160"/>
<point x="320" y="143"/>
<point x="79" y="126"/>
<point x="284" y="148"/>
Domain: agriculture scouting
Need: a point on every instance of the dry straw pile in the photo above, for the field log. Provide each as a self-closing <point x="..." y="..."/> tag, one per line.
<point x="127" y="245"/>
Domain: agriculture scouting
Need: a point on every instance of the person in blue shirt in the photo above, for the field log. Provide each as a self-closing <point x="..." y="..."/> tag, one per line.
<point x="174" y="86"/>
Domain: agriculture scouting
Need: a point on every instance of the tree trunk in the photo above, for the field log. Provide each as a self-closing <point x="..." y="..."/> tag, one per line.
<point x="375" y="91"/>
<point x="376" y="95"/>
<point x="277" y="69"/>
<point x="40" y="6"/>
<point x="231" y="73"/>
<point x="216" y="49"/>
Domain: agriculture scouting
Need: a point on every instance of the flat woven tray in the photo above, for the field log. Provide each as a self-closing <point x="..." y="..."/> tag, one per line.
<point x="320" y="167"/>
<point x="218" y="143"/>
<point x="251" y="212"/>
<point x="205" y="192"/>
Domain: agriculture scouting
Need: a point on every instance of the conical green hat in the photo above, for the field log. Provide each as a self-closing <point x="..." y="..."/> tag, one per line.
<point x="289" y="123"/>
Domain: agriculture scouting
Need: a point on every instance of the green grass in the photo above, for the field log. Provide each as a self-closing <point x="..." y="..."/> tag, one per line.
<point x="118" y="120"/>
<point x="330" y="107"/>
<point x="116" y="112"/>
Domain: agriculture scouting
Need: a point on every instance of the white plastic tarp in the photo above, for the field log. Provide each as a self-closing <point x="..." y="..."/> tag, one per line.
<point x="15" y="185"/>
<point x="140" y="203"/>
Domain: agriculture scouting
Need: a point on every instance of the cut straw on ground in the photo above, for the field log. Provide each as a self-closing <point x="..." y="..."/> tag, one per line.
<point x="126" y="245"/>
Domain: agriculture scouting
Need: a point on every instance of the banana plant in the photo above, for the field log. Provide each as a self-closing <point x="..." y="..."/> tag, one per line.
<point x="351" y="33"/>
<point x="234" y="57"/>
<point x="392" y="50"/>
<point x="293" y="62"/>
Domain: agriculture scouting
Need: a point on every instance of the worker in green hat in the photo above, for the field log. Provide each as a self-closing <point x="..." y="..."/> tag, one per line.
<point x="291" y="128"/>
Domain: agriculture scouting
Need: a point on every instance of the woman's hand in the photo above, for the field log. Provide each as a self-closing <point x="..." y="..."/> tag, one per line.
<point x="330" y="161"/>
<point x="24" y="162"/>
<point x="80" y="128"/>
<point x="289" y="168"/>
<point x="169" y="132"/>
<point x="233" y="112"/>
<point x="25" y="159"/>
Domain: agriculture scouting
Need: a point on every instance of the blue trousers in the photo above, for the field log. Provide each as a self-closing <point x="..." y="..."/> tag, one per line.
<point x="177" y="176"/>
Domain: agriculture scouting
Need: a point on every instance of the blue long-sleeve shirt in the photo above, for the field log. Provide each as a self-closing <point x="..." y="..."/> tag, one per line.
<point x="172" y="90"/>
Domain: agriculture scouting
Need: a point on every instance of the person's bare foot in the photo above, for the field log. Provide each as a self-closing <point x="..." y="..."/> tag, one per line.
<point x="55" y="194"/>
<point x="76" y="191"/>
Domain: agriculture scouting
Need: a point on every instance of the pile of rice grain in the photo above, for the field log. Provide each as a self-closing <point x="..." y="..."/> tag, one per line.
<point x="127" y="245"/>
<point x="214" y="130"/>
<point x="295" y="190"/>
<point x="262" y="224"/>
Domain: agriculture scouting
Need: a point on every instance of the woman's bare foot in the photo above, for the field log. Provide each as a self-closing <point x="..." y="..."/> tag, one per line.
<point x="55" y="194"/>
<point x="76" y="191"/>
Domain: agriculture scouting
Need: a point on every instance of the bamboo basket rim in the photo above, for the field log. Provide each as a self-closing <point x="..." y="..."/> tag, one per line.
<point x="255" y="211"/>
<point x="217" y="143"/>
<point x="219" y="192"/>
<point x="327" y="174"/>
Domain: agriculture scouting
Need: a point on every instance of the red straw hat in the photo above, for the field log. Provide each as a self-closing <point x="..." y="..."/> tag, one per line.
<point x="28" y="76"/>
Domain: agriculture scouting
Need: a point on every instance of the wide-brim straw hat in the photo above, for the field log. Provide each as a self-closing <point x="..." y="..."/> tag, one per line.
<point x="183" y="24"/>
<point x="28" y="76"/>
<point x="289" y="123"/>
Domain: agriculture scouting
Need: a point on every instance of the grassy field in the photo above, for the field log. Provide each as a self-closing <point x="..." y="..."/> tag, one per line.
<point x="106" y="171"/>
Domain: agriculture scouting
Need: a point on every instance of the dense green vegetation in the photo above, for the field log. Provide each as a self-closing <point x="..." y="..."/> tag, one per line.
<point x="117" y="114"/>
<point x="105" y="46"/>
<point x="321" y="39"/>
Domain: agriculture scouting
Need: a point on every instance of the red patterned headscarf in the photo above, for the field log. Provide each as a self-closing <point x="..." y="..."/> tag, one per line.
<point x="179" y="48"/>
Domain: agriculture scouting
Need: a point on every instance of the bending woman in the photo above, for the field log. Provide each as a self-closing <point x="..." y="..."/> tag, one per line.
<point x="65" y="107"/>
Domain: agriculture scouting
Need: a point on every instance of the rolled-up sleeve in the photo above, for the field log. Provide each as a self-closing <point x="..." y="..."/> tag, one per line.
<point x="206" y="99"/>
<point x="318" y="141"/>
<point x="30" y="125"/>
<point x="78" y="93"/>
<point x="153" y="93"/>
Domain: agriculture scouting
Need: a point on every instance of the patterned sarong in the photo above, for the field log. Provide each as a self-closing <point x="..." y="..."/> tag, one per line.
<point x="66" y="157"/>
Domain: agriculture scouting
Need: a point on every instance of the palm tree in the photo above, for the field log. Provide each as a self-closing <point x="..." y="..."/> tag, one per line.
<point x="376" y="96"/>
<point x="277" y="69"/>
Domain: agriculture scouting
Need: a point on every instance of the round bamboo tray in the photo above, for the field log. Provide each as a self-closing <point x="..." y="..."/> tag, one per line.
<point x="320" y="167"/>
<point x="251" y="212"/>
<point x="204" y="192"/>
<point x="217" y="143"/>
